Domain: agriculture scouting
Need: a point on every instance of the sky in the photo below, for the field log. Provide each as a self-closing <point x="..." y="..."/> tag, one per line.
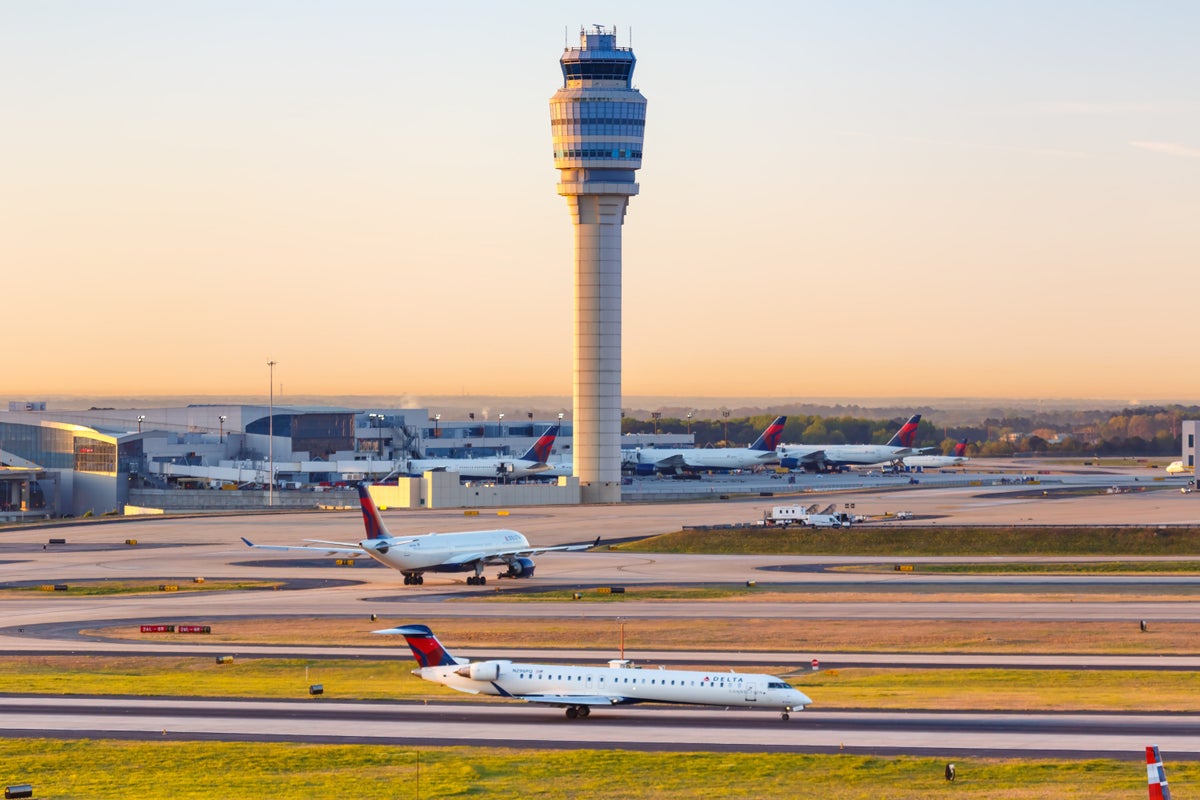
<point x="859" y="199"/>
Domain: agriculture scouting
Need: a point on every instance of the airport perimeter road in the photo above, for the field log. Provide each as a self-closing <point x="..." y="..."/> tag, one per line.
<point x="635" y="728"/>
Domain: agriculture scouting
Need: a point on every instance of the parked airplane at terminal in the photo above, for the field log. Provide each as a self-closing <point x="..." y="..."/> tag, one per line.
<point x="648" y="460"/>
<point x="463" y="551"/>
<point x="577" y="689"/>
<point x="958" y="458"/>
<point x="821" y="457"/>
<point x="532" y="462"/>
<point x="1156" y="775"/>
<point x="1177" y="468"/>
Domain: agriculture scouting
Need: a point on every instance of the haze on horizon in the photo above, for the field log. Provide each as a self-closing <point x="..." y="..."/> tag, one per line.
<point x="861" y="200"/>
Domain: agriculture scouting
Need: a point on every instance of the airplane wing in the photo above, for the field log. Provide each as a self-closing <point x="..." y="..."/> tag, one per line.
<point x="577" y="699"/>
<point x="533" y="551"/>
<point x="339" y="549"/>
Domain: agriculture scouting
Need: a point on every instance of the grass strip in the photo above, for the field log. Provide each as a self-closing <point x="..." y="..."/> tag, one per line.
<point x="938" y="689"/>
<point x="925" y="541"/>
<point x="107" y="587"/>
<point x="171" y="770"/>
<point x="766" y="634"/>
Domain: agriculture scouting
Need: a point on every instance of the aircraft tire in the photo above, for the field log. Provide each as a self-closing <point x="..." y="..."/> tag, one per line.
<point x="408" y="579"/>
<point x="482" y="580"/>
<point x="572" y="712"/>
<point x="785" y="716"/>
<point x="584" y="711"/>
<point x="419" y="580"/>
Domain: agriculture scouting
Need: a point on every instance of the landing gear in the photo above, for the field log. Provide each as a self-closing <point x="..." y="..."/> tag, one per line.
<point x="577" y="712"/>
<point x="584" y="711"/>
<point x="476" y="580"/>
<point x="785" y="715"/>
<point x="413" y="579"/>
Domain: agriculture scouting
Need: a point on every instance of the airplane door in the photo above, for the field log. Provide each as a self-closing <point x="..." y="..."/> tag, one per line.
<point x="751" y="692"/>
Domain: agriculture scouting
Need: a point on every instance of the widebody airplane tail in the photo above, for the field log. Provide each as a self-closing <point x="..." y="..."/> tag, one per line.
<point x="907" y="433"/>
<point x="1156" y="776"/>
<point x="371" y="518"/>
<point x="769" y="439"/>
<point x="540" y="452"/>
<point x="426" y="649"/>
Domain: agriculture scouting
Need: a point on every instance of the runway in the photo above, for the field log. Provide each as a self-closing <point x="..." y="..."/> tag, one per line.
<point x="176" y="550"/>
<point x="645" y="728"/>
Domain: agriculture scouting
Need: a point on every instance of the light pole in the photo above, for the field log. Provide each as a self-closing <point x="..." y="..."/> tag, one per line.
<point x="725" y="414"/>
<point x="656" y="415"/>
<point x="501" y="417"/>
<point x="140" y="418"/>
<point x="689" y="419"/>
<point x="271" y="433"/>
<point x="437" y="418"/>
<point x="221" y="428"/>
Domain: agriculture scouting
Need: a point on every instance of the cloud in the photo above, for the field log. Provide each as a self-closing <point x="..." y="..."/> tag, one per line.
<point x="1169" y="148"/>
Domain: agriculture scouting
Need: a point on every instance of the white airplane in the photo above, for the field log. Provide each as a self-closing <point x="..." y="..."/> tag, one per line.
<point x="1156" y="775"/>
<point x="531" y="462"/>
<point x="1177" y="468"/>
<point x="463" y="551"/>
<point x="577" y="689"/>
<point x="823" y="456"/>
<point x="649" y="460"/>
<point x="958" y="458"/>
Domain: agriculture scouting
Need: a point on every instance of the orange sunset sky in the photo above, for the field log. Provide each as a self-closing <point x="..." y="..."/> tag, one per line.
<point x="854" y="199"/>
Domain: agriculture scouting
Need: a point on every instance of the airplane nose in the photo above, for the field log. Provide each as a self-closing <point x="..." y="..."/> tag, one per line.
<point x="801" y="700"/>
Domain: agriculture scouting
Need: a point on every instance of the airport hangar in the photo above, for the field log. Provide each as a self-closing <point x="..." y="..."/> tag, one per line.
<point x="106" y="460"/>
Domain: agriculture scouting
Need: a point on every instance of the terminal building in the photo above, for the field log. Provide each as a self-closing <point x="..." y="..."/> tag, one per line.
<point x="106" y="460"/>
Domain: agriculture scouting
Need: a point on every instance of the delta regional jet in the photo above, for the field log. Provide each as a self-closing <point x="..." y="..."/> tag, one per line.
<point x="648" y="460"/>
<point x="578" y="689"/>
<point x="463" y="551"/>
<point x="956" y="460"/>
<point x="531" y="462"/>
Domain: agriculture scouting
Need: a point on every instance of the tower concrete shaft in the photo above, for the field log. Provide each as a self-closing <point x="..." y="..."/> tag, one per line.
<point x="598" y="120"/>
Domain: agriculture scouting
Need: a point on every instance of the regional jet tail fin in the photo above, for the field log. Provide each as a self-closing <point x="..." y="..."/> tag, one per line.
<point x="1156" y="776"/>
<point x="426" y="649"/>
<point x="960" y="449"/>
<point x="907" y="433"/>
<point x="540" y="452"/>
<point x="371" y="518"/>
<point x="769" y="438"/>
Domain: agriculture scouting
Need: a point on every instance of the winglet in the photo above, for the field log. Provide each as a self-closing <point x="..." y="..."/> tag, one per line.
<point x="248" y="542"/>
<point x="1156" y="776"/>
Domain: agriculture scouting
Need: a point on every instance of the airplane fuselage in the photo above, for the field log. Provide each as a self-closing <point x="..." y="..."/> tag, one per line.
<point x="481" y="468"/>
<point x="442" y="552"/>
<point x="620" y="685"/>
<point x="704" y="457"/>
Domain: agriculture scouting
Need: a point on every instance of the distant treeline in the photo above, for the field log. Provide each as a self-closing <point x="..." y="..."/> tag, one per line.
<point x="1141" y="431"/>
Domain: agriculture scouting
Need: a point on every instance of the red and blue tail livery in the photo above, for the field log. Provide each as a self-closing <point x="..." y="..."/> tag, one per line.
<point x="1156" y="776"/>
<point x="907" y="433"/>
<point x="769" y="439"/>
<point x="426" y="649"/>
<point x="960" y="449"/>
<point x="371" y="519"/>
<point x="540" y="452"/>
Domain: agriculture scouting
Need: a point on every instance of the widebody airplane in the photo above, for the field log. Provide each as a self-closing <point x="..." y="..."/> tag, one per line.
<point x="648" y="460"/>
<point x="821" y="457"/>
<point x="531" y="462"/>
<point x="464" y="551"/>
<point x="578" y="689"/>
<point x="958" y="458"/>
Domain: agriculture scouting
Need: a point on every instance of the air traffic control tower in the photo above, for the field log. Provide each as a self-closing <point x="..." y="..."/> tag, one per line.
<point x="598" y="120"/>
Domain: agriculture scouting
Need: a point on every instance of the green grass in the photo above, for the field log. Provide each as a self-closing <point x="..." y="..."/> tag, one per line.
<point x="964" y="689"/>
<point x="173" y="770"/>
<point x="1048" y="568"/>
<point x="101" y="588"/>
<point x="1003" y="689"/>
<point x="925" y="541"/>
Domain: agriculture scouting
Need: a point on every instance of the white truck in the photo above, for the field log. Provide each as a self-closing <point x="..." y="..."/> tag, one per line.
<point x="808" y="516"/>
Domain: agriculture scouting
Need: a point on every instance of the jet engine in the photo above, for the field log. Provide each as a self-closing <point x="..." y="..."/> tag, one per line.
<point x="481" y="670"/>
<point x="519" y="568"/>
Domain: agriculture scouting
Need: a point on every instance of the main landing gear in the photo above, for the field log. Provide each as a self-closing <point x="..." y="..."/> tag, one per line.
<point x="413" y="579"/>
<point x="576" y="712"/>
<point x="476" y="580"/>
